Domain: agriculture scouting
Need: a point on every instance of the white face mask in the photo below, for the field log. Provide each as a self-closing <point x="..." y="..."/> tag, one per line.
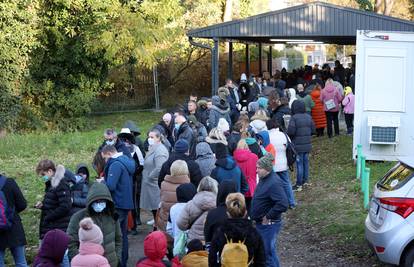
<point x="151" y="141"/>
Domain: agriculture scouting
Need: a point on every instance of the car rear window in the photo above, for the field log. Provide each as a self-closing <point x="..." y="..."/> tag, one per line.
<point x="395" y="178"/>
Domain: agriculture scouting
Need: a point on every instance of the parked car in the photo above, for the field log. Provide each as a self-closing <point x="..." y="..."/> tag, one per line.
<point x="389" y="226"/>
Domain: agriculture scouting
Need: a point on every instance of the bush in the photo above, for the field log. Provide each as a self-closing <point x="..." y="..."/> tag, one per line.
<point x="10" y="107"/>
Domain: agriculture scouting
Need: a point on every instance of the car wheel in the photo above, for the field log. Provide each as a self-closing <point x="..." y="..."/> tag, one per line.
<point x="408" y="258"/>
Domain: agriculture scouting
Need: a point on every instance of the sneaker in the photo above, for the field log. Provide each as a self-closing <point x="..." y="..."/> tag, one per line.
<point x="297" y="188"/>
<point x="151" y="222"/>
<point x="307" y="184"/>
<point x="292" y="207"/>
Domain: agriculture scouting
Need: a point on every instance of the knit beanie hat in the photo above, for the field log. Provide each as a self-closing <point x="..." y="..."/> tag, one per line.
<point x="90" y="232"/>
<point x="266" y="162"/>
<point x="263" y="102"/>
<point x="243" y="77"/>
<point x="181" y="146"/>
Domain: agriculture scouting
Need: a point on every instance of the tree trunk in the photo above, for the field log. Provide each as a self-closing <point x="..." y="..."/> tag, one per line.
<point x="388" y="7"/>
<point x="377" y="6"/>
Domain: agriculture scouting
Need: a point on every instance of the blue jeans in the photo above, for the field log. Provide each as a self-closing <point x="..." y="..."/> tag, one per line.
<point x="269" y="236"/>
<point x="302" y="168"/>
<point x="287" y="186"/>
<point x="18" y="255"/>
<point x="123" y="222"/>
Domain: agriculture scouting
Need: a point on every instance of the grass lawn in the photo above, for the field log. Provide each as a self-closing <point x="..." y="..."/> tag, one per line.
<point x="334" y="206"/>
<point x="19" y="155"/>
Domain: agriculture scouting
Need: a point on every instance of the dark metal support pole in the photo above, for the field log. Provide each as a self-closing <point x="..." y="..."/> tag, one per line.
<point x="247" y="60"/>
<point x="270" y="64"/>
<point x="260" y="59"/>
<point x="230" y="63"/>
<point x="190" y="39"/>
<point x="215" y="66"/>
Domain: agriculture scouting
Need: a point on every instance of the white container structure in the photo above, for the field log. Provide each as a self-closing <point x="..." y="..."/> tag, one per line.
<point x="384" y="97"/>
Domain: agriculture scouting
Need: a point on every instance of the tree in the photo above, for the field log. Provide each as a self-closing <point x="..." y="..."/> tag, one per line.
<point x="18" y="30"/>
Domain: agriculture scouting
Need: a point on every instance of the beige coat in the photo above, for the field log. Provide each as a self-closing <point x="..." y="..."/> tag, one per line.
<point x="195" y="213"/>
<point x="169" y="197"/>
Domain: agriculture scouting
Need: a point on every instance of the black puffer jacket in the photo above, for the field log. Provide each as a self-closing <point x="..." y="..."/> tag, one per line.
<point x="216" y="217"/>
<point x="193" y="168"/>
<point x="57" y="204"/>
<point x="14" y="237"/>
<point x="278" y="114"/>
<point x="78" y="188"/>
<point x="301" y="127"/>
<point x="237" y="230"/>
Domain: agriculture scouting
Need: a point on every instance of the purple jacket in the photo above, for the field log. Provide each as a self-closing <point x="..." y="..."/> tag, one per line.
<point x="51" y="252"/>
<point x="349" y="103"/>
<point x="331" y="92"/>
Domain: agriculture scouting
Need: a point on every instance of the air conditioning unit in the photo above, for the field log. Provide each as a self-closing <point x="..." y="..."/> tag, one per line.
<point x="383" y="130"/>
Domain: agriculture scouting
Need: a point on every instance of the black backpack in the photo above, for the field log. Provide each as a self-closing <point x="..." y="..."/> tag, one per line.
<point x="291" y="153"/>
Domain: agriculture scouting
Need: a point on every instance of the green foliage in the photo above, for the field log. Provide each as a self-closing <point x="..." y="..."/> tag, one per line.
<point x="18" y="29"/>
<point x="65" y="75"/>
<point x="9" y="109"/>
<point x="365" y="5"/>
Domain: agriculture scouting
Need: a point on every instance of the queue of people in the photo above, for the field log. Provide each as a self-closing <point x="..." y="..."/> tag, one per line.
<point x="214" y="173"/>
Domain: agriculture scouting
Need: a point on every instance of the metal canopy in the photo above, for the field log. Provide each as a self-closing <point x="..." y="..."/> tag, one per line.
<point x="316" y="21"/>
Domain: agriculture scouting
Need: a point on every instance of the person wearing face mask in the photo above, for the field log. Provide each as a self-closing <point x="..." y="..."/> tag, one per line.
<point x="57" y="202"/>
<point x="111" y="139"/>
<point x="101" y="209"/>
<point x="119" y="170"/>
<point x="154" y="160"/>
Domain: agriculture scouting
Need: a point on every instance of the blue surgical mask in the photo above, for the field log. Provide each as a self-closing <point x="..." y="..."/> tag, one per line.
<point x="78" y="178"/>
<point x="177" y="126"/>
<point x="98" y="206"/>
<point x="110" y="142"/>
<point x="45" y="178"/>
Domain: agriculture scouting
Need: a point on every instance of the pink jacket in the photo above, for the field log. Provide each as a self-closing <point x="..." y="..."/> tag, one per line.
<point x="91" y="255"/>
<point x="247" y="160"/>
<point x="331" y="92"/>
<point x="349" y="103"/>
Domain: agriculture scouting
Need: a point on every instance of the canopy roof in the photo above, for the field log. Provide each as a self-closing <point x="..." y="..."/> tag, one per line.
<point x="317" y="21"/>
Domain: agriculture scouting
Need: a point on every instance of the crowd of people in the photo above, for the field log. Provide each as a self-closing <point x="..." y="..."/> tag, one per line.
<point x="214" y="173"/>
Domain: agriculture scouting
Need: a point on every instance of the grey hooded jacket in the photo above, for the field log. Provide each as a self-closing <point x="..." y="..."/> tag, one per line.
<point x="205" y="158"/>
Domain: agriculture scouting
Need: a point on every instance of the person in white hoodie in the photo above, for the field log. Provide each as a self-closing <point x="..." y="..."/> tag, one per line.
<point x="292" y="96"/>
<point x="185" y="193"/>
<point x="279" y="140"/>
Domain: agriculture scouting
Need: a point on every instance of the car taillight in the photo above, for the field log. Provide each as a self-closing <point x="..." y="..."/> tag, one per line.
<point x="402" y="206"/>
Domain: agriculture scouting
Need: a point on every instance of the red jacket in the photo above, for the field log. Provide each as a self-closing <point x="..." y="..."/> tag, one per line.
<point x="247" y="160"/>
<point x="155" y="248"/>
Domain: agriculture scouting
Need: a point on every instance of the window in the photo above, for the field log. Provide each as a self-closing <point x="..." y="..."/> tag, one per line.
<point x="395" y="178"/>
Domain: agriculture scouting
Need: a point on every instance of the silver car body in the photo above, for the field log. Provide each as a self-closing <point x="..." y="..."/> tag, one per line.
<point x="384" y="228"/>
